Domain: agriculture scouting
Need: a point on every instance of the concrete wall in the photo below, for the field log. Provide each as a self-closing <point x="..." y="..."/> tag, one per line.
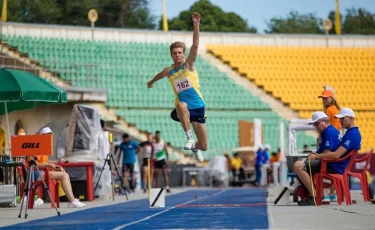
<point x="155" y="36"/>
<point x="33" y="119"/>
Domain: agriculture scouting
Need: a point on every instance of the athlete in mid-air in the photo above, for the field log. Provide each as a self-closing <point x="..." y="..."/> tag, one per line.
<point x="189" y="101"/>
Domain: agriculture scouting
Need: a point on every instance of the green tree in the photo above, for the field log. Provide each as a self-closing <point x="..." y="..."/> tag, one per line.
<point x="75" y="12"/>
<point x="358" y="21"/>
<point x="125" y="14"/>
<point x="112" y="13"/>
<point x="295" y="23"/>
<point x="213" y="19"/>
<point x="35" y="11"/>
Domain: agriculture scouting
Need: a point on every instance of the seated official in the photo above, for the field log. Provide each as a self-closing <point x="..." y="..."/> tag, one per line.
<point x="330" y="147"/>
<point x="57" y="173"/>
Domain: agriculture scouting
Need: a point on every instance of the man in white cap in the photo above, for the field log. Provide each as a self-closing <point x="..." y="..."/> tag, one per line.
<point x="267" y="149"/>
<point x="351" y="141"/>
<point x="57" y="173"/>
<point x="329" y="141"/>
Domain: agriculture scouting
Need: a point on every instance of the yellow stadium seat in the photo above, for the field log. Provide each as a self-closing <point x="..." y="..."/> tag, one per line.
<point x="297" y="76"/>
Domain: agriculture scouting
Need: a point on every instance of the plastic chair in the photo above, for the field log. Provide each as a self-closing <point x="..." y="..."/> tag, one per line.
<point x="23" y="183"/>
<point x="362" y="175"/>
<point x="339" y="180"/>
<point x="52" y="185"/>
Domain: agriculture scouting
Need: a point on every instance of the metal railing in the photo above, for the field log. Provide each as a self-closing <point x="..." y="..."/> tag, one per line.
<point x="138" y="35"/>
<point x="57" y="69"/>
<point x="73" y="69"/>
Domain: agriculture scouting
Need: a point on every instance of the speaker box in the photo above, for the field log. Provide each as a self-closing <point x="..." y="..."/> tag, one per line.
<point x="79" y="188"/>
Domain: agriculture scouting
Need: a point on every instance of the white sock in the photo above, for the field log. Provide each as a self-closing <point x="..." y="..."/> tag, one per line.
<point x="189" y="134"/>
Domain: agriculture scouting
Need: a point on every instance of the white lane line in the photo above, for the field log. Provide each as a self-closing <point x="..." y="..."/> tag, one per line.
<point x="271" y="221"/>
<point x="158" y="213"/>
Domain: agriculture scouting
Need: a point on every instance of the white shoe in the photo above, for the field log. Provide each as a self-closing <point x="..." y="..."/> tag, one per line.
<point x="198" y="155"/>
<point x="189" y="144"/>
<point x="76" y="204"/>
<point x="38" y="202"/>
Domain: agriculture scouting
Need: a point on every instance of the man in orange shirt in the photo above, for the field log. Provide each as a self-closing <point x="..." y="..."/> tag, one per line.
<point x="331" y="108"/>
<point x="274" y="158"/>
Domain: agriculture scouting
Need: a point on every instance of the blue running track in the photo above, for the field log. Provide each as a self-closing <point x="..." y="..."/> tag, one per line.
<point x="213" y="209"/>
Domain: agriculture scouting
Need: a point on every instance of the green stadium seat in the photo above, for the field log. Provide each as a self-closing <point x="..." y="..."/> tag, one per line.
<point x="124" y="68"/>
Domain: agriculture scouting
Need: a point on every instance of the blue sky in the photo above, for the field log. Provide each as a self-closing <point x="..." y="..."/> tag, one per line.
<point x="257" y="12"/>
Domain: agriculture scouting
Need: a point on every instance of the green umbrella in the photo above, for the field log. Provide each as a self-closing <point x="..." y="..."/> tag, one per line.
<point x="20" y="90"/>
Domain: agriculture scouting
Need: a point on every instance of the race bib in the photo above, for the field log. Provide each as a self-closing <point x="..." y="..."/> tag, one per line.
<point x="182" y="85"/>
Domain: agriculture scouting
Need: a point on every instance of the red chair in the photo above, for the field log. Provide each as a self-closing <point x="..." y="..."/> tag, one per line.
<point x="362" y="175"/>
<point x="52" y="185"/>
<point x="23" y="183"/>
<point x="339" y="180"/>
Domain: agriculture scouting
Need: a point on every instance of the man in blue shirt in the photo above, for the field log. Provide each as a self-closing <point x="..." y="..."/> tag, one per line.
<point x="266" y="154"/>
<point x="129" y="149"/>
<point x="258" y="164"/>
<point x="351" y="141"/>
<point x="330" y="139"/>
<point x="262" y="158"/>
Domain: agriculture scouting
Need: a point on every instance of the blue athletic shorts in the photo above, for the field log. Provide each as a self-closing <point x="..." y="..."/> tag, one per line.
<point x="196" y="115"/>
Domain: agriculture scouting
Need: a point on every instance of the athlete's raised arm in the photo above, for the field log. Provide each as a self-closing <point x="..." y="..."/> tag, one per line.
<point x="194" y="48"/>
<point x="163" y="73"/>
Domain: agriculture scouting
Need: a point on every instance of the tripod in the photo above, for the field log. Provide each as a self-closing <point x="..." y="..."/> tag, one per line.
<point x="107" y="160"/>
<point x="30" y="183"/>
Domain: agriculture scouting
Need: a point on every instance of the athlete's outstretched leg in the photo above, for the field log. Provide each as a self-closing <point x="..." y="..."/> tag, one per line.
<point x="184" y="116"/>
<point x="202" y="143"/>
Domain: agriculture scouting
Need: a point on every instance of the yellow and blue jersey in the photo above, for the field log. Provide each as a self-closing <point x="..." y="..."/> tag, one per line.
<point x="185" y="84"/>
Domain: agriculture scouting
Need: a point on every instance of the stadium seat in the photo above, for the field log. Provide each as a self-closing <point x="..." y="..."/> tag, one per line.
<point x="123" y="68"/>
<point x="296" y="76"/>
